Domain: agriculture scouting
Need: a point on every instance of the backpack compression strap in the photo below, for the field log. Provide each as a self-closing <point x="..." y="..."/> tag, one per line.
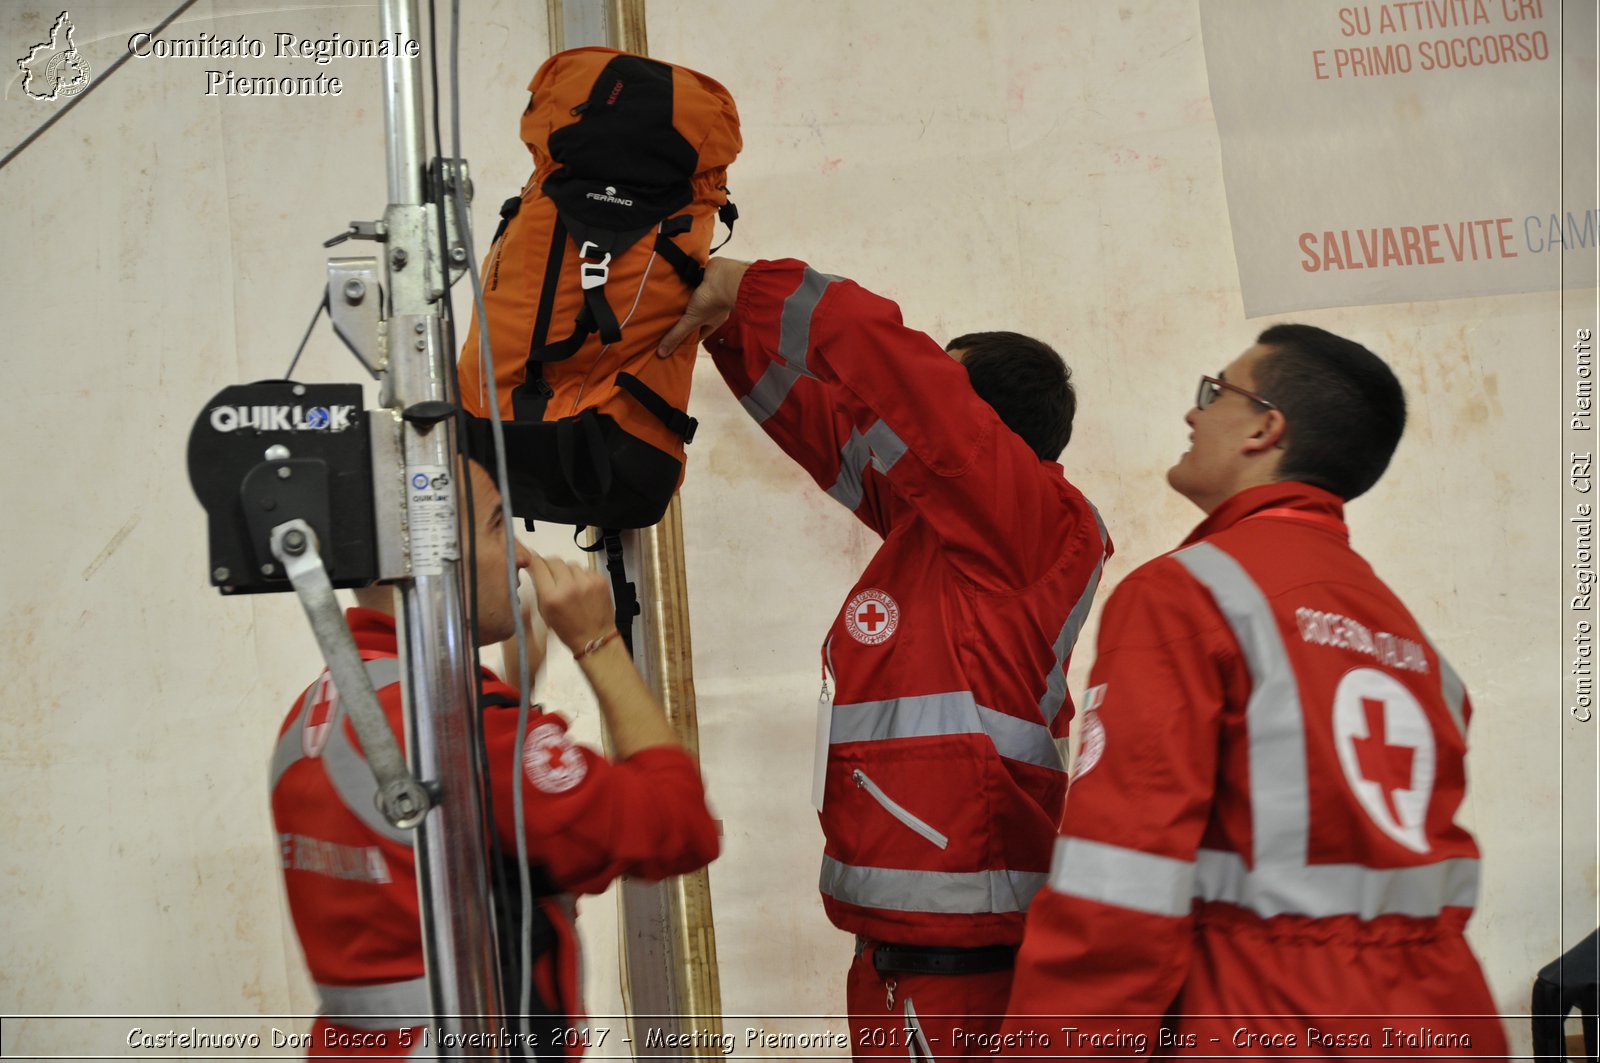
<point x="624" y="594"/>
<point x="675" y="419"/>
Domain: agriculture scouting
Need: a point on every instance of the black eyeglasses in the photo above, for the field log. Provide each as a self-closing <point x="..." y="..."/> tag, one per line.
<point x="1211" y="387"/>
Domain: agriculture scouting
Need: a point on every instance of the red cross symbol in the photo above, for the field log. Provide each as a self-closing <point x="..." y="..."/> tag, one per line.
<point x="324" y="698"/>
<point x="555" y="756"/>
<point x="1388" y="766"/>
<point x="871" y="617"/>
<point x="319" y="718"/>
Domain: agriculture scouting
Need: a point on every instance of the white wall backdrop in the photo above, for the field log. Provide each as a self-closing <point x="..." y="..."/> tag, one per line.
<point x="1048" y="166"/>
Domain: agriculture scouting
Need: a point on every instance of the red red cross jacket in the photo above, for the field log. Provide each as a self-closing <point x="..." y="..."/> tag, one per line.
<point x="948" y="659"/>
<point x="1260" y="835"/>
<point x="351" y="877"/>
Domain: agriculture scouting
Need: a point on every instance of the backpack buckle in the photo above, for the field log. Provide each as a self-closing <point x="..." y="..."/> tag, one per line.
<point x="594" y="274"/>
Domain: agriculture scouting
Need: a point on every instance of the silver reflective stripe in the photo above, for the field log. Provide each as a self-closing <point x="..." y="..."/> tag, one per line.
<point x="1055" y="689"/>
<point x="344" y="767"/>
<point x="1125" y="878"/>
<point x="770" y="391"/>
<point x="290" y="747"/>
<point x="1455" y="692"/>
<point x="932" y="715"/>
<point x="383" y="671"/>
<point x="388" y="1006"/>
<point x="1280" y="802"/>
<point x="1324" y="890"/>
<point x="879" y="446"/>
<point x="887" y="447"/>
<point x="1017" y="739"/>
<point x="853" y="458"/>
<point x="960" y="893"/>
<point x="794" y="325"/>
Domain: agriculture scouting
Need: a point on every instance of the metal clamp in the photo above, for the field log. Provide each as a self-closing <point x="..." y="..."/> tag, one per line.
<point x="401" y="798"/>
<point x="355" y="304"/>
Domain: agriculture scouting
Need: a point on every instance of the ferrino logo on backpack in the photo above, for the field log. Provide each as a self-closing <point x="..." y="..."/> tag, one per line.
<point x="589" y="268"/>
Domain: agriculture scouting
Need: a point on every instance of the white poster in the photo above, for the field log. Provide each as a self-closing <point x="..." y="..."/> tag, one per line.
<point x="1395" y="152"/>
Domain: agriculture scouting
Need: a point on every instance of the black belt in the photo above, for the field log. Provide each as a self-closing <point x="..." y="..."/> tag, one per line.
<point x="938" y="959"/>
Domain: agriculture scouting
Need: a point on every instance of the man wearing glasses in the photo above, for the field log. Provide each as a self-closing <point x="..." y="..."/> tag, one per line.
<point x="1259" y="853"/>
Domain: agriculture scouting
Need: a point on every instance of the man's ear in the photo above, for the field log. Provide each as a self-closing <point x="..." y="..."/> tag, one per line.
<point x="1272" y="435"/>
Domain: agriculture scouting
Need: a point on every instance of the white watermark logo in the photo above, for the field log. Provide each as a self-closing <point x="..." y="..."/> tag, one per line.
<point x="54" y="68"/>
<point x="610" y="196"/>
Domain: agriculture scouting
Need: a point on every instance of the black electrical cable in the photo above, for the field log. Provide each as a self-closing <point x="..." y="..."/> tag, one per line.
<point x="321" y="306"/>
<point x="84" y="95"/>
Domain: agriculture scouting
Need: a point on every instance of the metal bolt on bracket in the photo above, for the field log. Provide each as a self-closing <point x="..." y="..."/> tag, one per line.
<point x="354" y="291"/>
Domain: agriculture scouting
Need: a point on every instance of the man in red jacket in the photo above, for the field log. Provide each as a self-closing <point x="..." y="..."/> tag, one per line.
<point x="1259" y="854"/>
<point x="945" y="670"/>
<point x="351" y="876"/>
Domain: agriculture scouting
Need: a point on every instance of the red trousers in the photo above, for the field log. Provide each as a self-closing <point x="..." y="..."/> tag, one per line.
<point x="924" y="1016"/>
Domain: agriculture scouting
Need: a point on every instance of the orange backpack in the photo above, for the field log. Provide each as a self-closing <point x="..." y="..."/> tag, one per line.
<point x="589" y="268"/>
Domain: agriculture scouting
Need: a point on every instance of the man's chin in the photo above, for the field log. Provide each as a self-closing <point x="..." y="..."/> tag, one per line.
<point x="1180" y="480"/>
<point x="493" y="636"/>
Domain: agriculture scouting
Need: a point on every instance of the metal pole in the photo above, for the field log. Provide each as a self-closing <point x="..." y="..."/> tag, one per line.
<point x="440" y="695"/>
<point x="666" y="934"/>
<point x="670" y="937"/>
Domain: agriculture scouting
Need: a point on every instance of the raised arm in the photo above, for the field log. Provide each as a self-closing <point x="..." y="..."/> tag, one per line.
<point x="800" y="413"/>
<point x="863" y="402"/>
<point x="589" y="819"/>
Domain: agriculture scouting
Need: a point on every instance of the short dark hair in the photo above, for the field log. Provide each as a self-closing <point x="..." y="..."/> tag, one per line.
<point x="1026" y="382"/>
<point x="1345" y="408"/>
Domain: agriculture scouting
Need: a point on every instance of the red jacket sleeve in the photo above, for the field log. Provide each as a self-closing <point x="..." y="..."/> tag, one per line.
<point x="588" y="820"/>
<point x="1111" y="935"/>
<point x="860" y="401"/>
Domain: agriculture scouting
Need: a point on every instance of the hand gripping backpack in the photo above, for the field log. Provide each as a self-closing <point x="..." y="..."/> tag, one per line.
<point x="589" y="268"/>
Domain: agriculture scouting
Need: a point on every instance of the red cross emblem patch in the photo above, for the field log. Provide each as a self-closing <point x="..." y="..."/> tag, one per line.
<point x="1091" y="733"/>
<point x="322" y="717"/>
<point x="1386" y="748"/>
<point x="551" y="761"/>
<point x="871" y="617"/>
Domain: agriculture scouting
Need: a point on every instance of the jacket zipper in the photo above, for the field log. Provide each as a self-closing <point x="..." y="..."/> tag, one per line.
<point x="896" y="811"/>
